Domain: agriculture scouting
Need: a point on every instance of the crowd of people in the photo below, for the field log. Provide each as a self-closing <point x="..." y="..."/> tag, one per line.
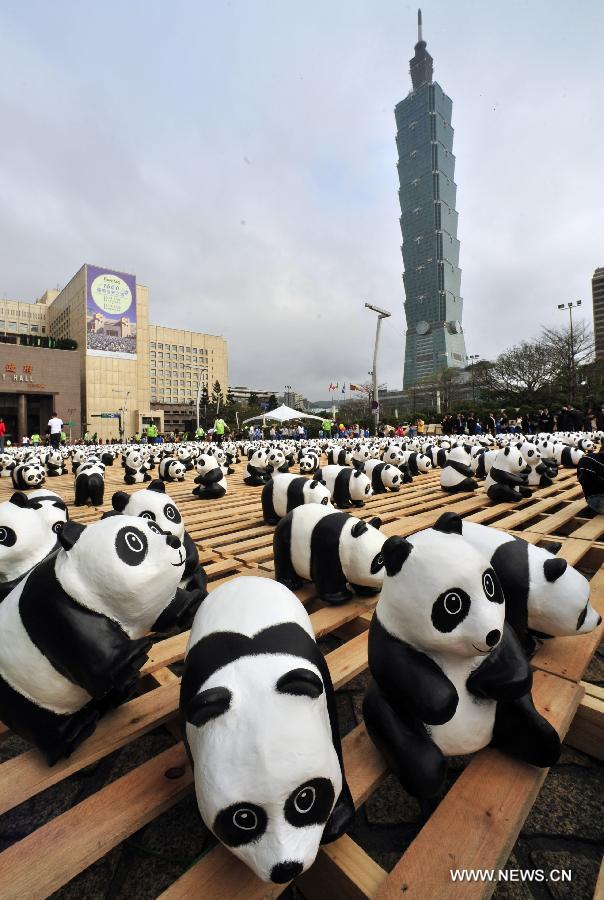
<point x="568" y="418"/>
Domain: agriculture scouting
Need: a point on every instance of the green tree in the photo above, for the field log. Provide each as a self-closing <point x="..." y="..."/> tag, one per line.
<point x="217" y="397"/>
<point x="272" y="401"/>
<point x="253" y="401"/>
<point x="230" y="398"/>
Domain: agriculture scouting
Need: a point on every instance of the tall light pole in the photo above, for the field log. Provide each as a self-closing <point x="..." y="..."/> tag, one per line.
<point x="381" y="314"/>
<point x="199" y="370"/>
<point x="573" y="377"/>
<point x="472" y="357"/>
<point x="122" y="419"/>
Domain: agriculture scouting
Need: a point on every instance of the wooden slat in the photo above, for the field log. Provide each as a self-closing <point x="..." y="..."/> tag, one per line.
<point x="586" y="732"/>
<point x="345" y="870"/>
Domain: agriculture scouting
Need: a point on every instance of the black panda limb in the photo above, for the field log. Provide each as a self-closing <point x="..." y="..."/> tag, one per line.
<point x="522" y="732"/>
<point x="284" y="569"/>
<point x="505" y="673"/>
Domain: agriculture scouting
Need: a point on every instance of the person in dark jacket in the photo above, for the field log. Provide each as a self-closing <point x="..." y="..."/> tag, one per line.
<point x="590" y="474"/>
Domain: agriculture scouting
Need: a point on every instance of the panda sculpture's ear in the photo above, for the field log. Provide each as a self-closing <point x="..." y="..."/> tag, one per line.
<point x="554" y="568"/>
<point x="19" y="499"/>
<point x="376" y="521"/>
<point x="301" y="683"/>
<point x="552" y="546"/>
<point x="448" y="523"/>
<point x="395" y="551"/>
<point x="208" y="705"/>
<point x="69" y="534"/>
<point x="119" y="501"/>
<point x="358" y="528"/>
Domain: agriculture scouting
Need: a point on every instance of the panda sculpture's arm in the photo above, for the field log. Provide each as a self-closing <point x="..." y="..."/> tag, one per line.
<point x="411" y="681"/>
<point x="210" y="477"/>
<point x="505" y="674"/>
<point x="459" y="467"/>
<point x="180" y="610"/>
<point x="503" y="477"/>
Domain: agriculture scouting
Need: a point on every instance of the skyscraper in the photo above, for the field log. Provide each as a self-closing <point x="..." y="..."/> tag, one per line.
<point x="597" y="293"/>
<point x="426" y="166"/>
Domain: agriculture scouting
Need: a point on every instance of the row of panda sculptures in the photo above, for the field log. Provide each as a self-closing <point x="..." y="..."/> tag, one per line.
<point x="461" y="608"/>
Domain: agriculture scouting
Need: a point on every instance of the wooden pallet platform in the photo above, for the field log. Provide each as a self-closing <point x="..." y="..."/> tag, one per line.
<point x="475" y="825"/>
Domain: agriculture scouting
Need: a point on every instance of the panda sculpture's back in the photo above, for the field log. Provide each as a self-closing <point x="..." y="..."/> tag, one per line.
<point x="261" y="729"/>
<point x="449" y="677"/>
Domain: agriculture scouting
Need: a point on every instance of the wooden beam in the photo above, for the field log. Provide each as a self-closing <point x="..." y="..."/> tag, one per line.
<point x="586" y="732"/>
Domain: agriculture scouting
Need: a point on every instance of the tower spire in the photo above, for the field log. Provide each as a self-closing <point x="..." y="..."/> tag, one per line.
<point x="419" y="26"/>
<point x="421" y="66"/>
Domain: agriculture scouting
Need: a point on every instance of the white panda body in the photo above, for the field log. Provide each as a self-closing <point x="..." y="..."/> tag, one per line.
<point x="346" y="485"/>
<point x="456" y="472"/>
<point x="247" y="766"/>
<point x="28" y="533"/>
<point x="171" y="469"/>
<point x="383" y="476"/>
<point x="471" y="728"/>
<point x="284" y="492"/>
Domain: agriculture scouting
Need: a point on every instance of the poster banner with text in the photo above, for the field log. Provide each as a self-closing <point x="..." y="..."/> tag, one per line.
<point x="110" y="313"/>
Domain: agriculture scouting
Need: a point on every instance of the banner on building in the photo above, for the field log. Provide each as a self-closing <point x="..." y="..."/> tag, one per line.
<point x="110" y="313"/>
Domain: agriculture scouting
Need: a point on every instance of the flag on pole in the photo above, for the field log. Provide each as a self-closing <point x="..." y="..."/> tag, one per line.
<point x="344" y="388"/>
<point x="355" y="387"/>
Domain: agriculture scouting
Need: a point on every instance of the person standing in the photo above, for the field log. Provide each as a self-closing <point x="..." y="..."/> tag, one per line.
<point x="55" y="426"/>
<point x="199" y="433"/>
<point x="2" y="435"/>
<point x="35" y="439"/>
<point x="219" y="429"/>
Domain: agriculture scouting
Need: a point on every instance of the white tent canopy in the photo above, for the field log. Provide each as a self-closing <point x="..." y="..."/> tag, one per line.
<point x="283" y="414"/>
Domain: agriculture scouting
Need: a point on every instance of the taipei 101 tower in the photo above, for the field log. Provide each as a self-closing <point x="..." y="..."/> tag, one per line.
<point x="426" y="169"/>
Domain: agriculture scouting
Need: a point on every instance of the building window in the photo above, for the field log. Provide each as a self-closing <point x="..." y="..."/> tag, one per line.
<point x="152" y="344"/>
<point x="35" y="329"/>
<point x="12" y="326"/>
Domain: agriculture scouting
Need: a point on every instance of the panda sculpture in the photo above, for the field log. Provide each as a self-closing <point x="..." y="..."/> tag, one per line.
<point x="256" y="473"/>
<point x="276" y="461"/>
<point x="417" y="463"/>
<point x="55" y="464"/>
<point x="50" y="507"/>
<point x="27" y="475"/>
<point x="568" y="457"/>
<point x="77" y="458"/>
<point x="456" y="472"/>
<point x="537" y="477"/>
<point x="449" y="677"/>
<point x="338" y="552"/>
<point x="183" y="455"/>
<point x="135" y="469"/>
<point x="384" y="476"/>
<point x="78" y="626"/>
<point x="339" y="456"/>
<point x="28" y="533"/>
<point x="155" y="504"/>
<point x="544" y="596"/>
<point x="261" y="729"/>
<point x="210" y="480"/>
<point x="309" y="463"/>
<point x="90" y="484"/>
<point x="347" y="486"/>
<point x="171" y="469"/>
<point x="285" y="492"/>
<point x="506" y="479"/>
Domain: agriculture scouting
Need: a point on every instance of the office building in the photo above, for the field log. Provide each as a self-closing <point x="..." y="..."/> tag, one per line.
<point x="426" y="168"/>
<point x="597" y="293"/>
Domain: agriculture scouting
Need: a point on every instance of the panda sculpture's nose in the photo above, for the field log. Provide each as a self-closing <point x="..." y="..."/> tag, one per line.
<point x="172" y="541"/>
<point x="493" y="637"/>
<point x="285" y="871"/>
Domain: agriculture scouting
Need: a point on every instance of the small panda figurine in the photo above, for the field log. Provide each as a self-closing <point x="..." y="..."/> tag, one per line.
<point x="506" y="479"/>
<point x="7" y="464"/>
<point x="135" y="471"/>
<point x="347" y="486"/>
<point x="449" y="677"/>
<point x="332" y="549"/>
<point x="537" y="477"/>
<point x="309" y="463"/>
<point x="256" y="473"/>
<point x="339" y="456"/>
<point x="384" y="476"/>
<point x="55" y="464"/>
<point x="285" y="492"/>
<point x="393" y="454"/>
<point x="171" y="469"/>
<point x="456" y="473"/>
<point x="155" y="504"/>
<point x="183" y="455"/>
<point x="90" y="484"/>
<point x="276" y="461"/>
<point x="210" y="481"/>
<point x="107" y="457"/>
<point x="27" y="475"/>
<point x="77" y="458"/>
<point x="569" y="457"/>
<point x="544" y="596"/>
<point x="78" y="625"/>
<point x="418" y="463"/>
<point x="261" y="730"/>
<point x="28" y="533"/>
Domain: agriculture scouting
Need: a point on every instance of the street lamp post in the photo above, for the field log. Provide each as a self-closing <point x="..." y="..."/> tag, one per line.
<point x="472" y="357"/>
<point x="381" y="314"/>
<point x="573" y="376"/>
<point x="199" y="370"/>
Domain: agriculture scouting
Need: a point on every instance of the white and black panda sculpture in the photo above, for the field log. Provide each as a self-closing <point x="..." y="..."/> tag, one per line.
<point x="334" y="550"/>
<point x="261" y="729"/>
<point x="28" y="533"/>
<point x="171" y="469"/>
<point x="256" y="472"/>
<point x="155" y="504"/>
<point x="75" y="629"/>
<point x="544" y="596"/>
<point x="55" y="464"/>
<point x="347" y="486"/>
<point x="285" y="492"/>
<point x="27" y="475"/>
<point x="90" y="484"/>
<point x="309" y="463"/>
<point x="449" y="676"/>
<point x="50" y="506"/>
<point x="384" y="476"/>
<point x="135" y="468"/>
<point x="456" y="472"/>
<point x="506" y="479"/>
<point x="210" y="480"/>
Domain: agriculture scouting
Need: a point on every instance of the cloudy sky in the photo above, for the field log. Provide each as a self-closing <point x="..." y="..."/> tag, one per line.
<point x="239" y="158"/>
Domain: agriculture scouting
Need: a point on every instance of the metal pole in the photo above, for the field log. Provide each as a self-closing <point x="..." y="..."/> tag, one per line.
<point x="572" y="356"/>
<point x="376" y="400"/>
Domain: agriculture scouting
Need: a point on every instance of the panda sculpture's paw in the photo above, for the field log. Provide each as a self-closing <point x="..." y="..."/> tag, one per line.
<point x="293" y="583"/>
<point x="70" y="732"/>
<point x="525" y="491"/>
<point x="335" y="598"/>
<point x="126" y="670"/>
<point x="341" y="818"/>
<point x="363" y="591"/>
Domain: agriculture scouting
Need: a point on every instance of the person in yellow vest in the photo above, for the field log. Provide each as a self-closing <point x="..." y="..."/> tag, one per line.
<point x="152" y="433"/>
<point x="220" y="426"/>
<point x="35" y="439"/>
<point x="199" y="434"/>
<point x="421" y="426"/>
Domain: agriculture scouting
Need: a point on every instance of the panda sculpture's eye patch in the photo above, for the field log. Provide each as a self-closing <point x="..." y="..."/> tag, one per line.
<point x="301" y="683"/>
<point x="491" y="586"/>
<point x="154" y="527"/>
<point x="8" y="538"/>
<point x="171" y="513"/>
<point x="147" y="514"/>
<point x="239" y="824"/>
<point x="56" y="528"/>
<point x="131" y="546"/>
<point x="450" y="609"/>
<point x="310" y="804"/>
<point x="377" y="563"/>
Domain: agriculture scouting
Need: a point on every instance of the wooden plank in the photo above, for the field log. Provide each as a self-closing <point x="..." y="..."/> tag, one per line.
<point x="345" y="870"/>
<point x="74" y="840"/>
<point x="477" y="823"/>
<point x="586" y="732"/>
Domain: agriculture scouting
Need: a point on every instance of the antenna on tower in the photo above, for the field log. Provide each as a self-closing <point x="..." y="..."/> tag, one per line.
<point x="419" y="26"/>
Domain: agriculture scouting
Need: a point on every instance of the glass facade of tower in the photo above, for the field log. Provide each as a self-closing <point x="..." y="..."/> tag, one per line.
<point x="426" y="168"/>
